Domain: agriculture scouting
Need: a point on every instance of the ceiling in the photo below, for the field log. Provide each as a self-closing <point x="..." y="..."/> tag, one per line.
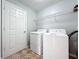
<point x="38" y="4"/>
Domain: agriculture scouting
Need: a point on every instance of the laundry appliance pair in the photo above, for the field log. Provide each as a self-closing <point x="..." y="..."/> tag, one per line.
<point x="51" y="44"/>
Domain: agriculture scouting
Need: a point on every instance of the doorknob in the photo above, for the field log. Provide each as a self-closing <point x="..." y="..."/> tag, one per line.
<point x="24" y="31"/>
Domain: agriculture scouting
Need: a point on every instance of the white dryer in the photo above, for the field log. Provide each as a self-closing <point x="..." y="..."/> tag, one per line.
<point x="55" y="46"/>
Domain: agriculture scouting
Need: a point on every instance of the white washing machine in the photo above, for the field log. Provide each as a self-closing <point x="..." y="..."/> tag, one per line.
<point x="55" y="46"/>
<point x="36" y="41"/>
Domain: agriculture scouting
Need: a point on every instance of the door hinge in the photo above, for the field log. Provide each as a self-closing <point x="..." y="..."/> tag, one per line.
<point x="4" y="28"/>
<point x="4" y="49"/>
<point x="4" y="7"/>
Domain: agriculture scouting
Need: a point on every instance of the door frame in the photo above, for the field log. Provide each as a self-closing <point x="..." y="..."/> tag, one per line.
<point x="2" y="28"/>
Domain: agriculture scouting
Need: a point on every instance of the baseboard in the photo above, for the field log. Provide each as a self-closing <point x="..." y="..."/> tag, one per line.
<point x="72" y="55"/>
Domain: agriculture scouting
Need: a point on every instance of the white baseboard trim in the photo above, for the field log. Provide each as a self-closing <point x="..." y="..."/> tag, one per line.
<point x="72" y="55"/>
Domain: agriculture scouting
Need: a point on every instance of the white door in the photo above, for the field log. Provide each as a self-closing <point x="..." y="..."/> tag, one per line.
<point x="15" y="29"/>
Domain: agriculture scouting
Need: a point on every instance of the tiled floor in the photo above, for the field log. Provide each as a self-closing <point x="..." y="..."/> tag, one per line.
<point x="24" y="54"/>
<point x="27" y="54"/>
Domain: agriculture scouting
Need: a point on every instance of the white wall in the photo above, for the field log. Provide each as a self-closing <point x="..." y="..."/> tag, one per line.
<point x="31" y="24"/>
<point x="62" y="6"/>
<point x="31" y="16"/>
<point x="60" y="15"/>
